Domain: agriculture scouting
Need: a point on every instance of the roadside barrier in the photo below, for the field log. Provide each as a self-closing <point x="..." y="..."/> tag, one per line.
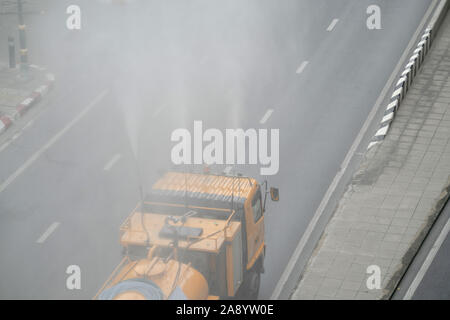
<point x="409" y="73"/>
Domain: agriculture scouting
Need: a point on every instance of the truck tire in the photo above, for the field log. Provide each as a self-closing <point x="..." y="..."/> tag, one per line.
<point x="253" y="284"/>
<point x="249" y="290"/>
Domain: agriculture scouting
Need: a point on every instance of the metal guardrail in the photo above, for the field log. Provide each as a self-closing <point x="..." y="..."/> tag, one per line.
<point x="410" y="72"/>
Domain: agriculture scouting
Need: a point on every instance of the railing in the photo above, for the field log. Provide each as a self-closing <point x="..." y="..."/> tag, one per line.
<point x="191" y="239"/>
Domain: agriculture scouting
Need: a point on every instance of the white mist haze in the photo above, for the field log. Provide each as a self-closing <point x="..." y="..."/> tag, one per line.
<point x="182" y="61"/>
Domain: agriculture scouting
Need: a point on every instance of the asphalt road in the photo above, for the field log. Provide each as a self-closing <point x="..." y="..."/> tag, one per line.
<point x="132" y="75"/>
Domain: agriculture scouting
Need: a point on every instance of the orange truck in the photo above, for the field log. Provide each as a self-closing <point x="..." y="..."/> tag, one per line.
<point x="194" y="236"/>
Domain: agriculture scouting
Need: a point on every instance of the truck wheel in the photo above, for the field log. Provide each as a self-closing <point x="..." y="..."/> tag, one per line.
<point x="253" y="284"/>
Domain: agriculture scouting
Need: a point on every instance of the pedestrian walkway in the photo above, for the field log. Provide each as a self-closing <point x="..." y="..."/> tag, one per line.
<point x="394" y="196"/>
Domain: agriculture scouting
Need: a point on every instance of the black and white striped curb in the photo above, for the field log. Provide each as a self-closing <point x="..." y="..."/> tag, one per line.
<point x="36" y="96"/>
<point x="409" y="73"/>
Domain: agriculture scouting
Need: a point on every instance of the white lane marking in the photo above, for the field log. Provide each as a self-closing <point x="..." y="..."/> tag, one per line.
<point x="5" y="145"/>
<point x="29" y="124"/>
<point x="19" y="133"/>
<point x="332" y="24"/>
<point x="112" y="162"/>
<point x="266" y="116"/>
<point x="302" y="67"/>
<point x="228" y="169"/>
<point x="158" y="111"/>
<point x="428" y="260"/>
<point x="48" y="232"/>
<point x="51" y="142"/>
<point x="311" y="226"/>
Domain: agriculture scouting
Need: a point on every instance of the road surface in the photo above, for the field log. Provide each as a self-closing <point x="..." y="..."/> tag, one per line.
<point x="132" y="75"/>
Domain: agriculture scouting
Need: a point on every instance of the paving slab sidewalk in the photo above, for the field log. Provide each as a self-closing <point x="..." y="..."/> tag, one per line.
<point x="394" y="197"/>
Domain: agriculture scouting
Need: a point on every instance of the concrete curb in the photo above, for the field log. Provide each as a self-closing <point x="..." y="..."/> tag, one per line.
<point x="30" y="101"/>
<point x="408" y="258"/>
<point x="410" y="71"/>
<point x="5" y="122"/>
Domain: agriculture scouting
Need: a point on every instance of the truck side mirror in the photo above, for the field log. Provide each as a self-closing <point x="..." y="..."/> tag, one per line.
<point x="274" y="194"/>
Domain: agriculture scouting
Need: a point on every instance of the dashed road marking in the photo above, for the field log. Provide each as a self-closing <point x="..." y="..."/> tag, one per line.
<point x="48" y="232"/>
<point x="302" y="67"/>
<point x="5" y="145"/>
<point x="266" y="116"/>
<point x="332" y="25"/>
<point x="112" y="162"/>
<point x="51" y="142"/>
<point x="29" y="124"/>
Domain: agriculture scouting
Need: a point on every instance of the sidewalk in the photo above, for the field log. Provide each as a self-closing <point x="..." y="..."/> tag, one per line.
<point x="17" y="94"/>
<point x="395" y="195"/>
